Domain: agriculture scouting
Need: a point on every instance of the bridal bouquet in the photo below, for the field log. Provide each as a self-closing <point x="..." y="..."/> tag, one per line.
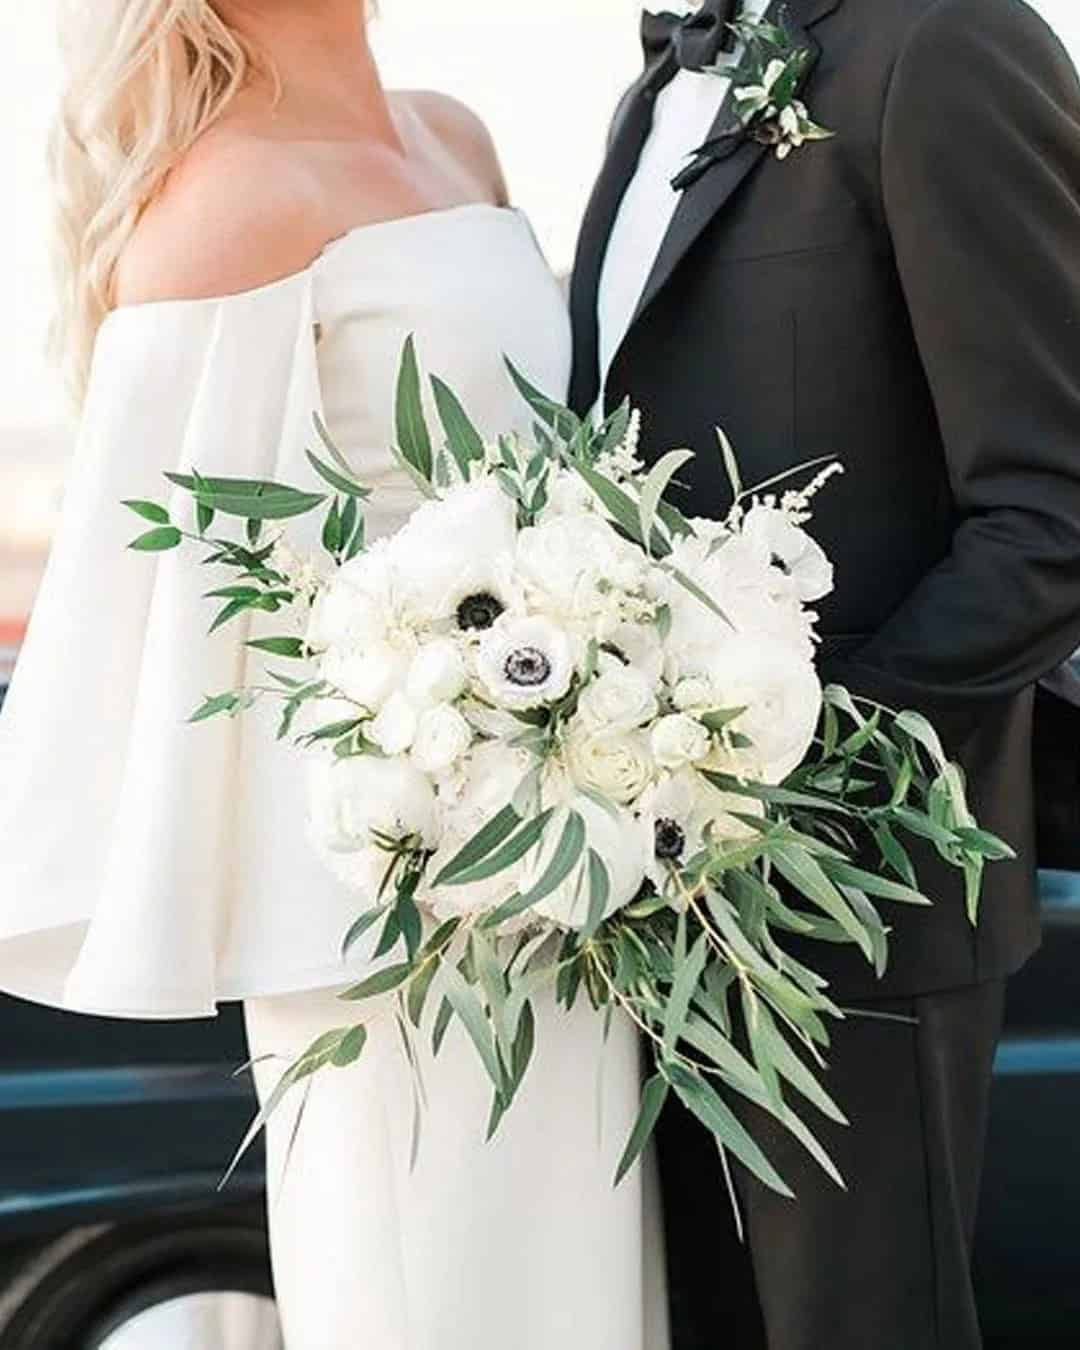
<point x="562" y="738"/>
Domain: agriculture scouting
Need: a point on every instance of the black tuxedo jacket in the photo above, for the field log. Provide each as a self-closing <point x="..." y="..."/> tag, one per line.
<point x="905" y="296"/>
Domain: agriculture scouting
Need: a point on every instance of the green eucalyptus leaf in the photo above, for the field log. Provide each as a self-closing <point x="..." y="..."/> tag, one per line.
<point x="463" y="1000"/>
<point x="279" y="646"/>
<point x="654" y="1095"/>
<point x="513" y="850"/>
<point x="701" y="1099"/>
<point x="413" y="437"/>
<point x="382" y="982"/>
<point x="339" y="481"/>
<point x="360" y="927"/>
<point x="483" y="843"/>
<point x="160" y="540"/>
<point x="151" y="511"/>
<point x="656" y="484"/>
<point x="351" y="1048"/>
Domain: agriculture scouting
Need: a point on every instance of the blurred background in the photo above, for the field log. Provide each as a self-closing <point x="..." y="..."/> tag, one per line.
<point x="113" y="1136"/>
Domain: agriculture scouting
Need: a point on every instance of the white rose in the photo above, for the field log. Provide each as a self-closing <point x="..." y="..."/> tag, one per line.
<point x="614" y="763"/>
<point x="437" y="674"/>
<point x="368" y="675"/>
<point x="442" y="737"/>
<point x="524" y="663"/>
<point x="616" y="836"/>
<point x="394" y="728"/>
<point x="349" y="800"/>
<point x="620" y="698"/>
<point x="692" y="694"/>
<point x="679" y="740"/>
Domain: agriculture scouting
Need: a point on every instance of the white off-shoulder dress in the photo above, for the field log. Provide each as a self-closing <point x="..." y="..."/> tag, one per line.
<point x="150" y="868"/>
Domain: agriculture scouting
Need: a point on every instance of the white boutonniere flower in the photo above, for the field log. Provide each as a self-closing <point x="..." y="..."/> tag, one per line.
<point x="765" y="104"/>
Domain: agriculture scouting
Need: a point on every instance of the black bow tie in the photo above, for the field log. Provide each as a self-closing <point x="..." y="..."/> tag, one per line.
<point x="697" y="40"/>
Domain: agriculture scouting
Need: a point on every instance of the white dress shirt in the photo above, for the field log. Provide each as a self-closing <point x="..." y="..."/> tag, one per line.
<point x="685" y="113"/>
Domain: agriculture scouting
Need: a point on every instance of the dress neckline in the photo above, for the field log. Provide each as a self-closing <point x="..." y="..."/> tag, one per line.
<point x="328" y="250"/>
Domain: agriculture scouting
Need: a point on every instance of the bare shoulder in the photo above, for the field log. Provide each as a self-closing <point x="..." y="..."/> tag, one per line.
<point x="464" y="134"/>
<point x="235" y="214"/>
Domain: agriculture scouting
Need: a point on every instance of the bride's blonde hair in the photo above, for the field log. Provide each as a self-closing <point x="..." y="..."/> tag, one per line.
<point x="144" y="78"/>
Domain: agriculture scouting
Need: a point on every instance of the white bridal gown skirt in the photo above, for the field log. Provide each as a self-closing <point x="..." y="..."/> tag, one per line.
<point x="518" y="1244"/>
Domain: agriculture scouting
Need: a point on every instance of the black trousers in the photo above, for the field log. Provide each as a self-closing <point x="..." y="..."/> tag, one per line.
<point x="884" y="1265"/>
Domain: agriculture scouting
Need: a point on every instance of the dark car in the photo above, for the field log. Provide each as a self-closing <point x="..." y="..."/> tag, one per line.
<point x="114" y="1136"/>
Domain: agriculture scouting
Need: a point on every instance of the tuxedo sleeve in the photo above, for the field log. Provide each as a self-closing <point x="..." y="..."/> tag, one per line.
<point x="981" y="182"/>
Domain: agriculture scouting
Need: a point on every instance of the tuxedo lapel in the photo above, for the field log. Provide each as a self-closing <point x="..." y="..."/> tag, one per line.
<point x="705" y="199"/>
<point x="633" y="123"/>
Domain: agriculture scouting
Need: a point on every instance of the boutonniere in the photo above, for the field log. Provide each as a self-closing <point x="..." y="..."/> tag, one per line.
<point x="764" y="103"/>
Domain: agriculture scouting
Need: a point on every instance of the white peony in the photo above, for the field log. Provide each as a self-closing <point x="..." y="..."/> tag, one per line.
<point x="620" y="698"/>
<point x="802" y="567"/>
<point x="349" y="800"/>
<point x="437" y="674"/>
<point x="616" y="764"/>
<point x="394" y="728"/>
<point x="779" y="687"/>
<point x="576" y="570"/>
<point x="368" y="675"/>
<point x="442" y="737"/>
<point x="617" y="838"/>
<point x="524" y="663"/>
<point x="679" y="740"/>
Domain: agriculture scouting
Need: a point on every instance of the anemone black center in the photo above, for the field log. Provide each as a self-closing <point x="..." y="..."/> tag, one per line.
<point x="477" y="612"/>
<point x="670" y="840"/>
<point x="528" y="667"/>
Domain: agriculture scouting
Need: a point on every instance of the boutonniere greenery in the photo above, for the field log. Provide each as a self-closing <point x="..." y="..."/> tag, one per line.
<point x="764" y="103"/>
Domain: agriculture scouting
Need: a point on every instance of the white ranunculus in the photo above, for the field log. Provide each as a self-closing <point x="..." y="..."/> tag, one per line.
<point x="442" y="737"/>
<point x="437" y="674"/>
<point x="443" y="539"/>
<point x="394" y="728"/>
<point x="616" y="836"/>
<point x="368" y="675"/>
<point x="802" y="566"/>
<point x="679" y="740"/>
<point x="614" y="763"/>
<point x="779" y="688"/>
<point x="349" y="800"/>
<point x="620" y="698"/>
<point x="524" y="663"/>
